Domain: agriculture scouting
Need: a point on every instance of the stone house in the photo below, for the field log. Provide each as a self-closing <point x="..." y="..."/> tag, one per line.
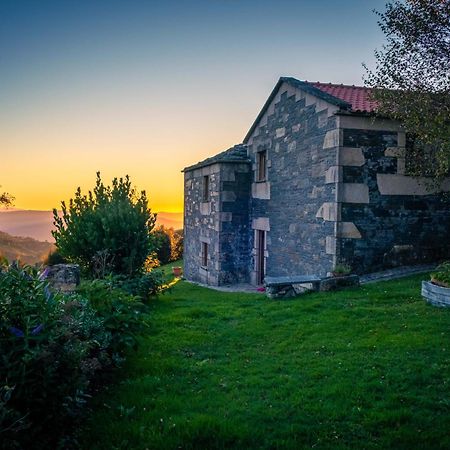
<point x="318" y="180"/>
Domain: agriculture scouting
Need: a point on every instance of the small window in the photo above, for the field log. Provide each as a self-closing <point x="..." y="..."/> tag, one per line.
<point x="204" y="254"/>
<point x="261" y="166"/>
<point x="205" y="196"/>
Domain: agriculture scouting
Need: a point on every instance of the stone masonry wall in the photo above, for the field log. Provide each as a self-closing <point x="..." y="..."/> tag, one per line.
<point x="201" y="224"/>
<point x="222" y="223"/>
<point x="299" y="133"/>
<point x="234" y="235"/>
<point x="394" y="221"/>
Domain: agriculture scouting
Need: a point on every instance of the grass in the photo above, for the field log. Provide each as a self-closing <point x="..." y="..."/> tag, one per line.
<point x="364" y="368"/>
<point x="167" y="270"/>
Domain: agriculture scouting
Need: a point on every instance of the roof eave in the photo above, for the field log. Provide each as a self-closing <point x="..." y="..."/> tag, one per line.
<point x="205" y="164"/>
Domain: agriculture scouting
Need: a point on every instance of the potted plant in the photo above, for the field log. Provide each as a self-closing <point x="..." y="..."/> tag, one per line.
<point x="442" y="275"/>
<point x="341" y="270"/>
<point x="177" y="271"/>
<point x="437" y="291"/>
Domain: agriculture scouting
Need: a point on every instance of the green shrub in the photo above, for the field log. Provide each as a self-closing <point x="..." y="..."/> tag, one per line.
<point x="163" y="244"/>
<point x="54" y="258"/>
<point x="442" y="274"/>
<point x="51" y="346"/>
<point x="144" y="286"/>
<point x="122" y="313"/>
<point x="106" y="231"/>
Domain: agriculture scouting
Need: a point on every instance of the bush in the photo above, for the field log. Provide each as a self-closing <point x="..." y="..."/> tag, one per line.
<point x="106" y="231"/>
<point x="162" y="243"/>
<point x="52" y="347"/>
<point x="442" y="275"/>
<point x="169" y="244"/>
<point x="54" y="258"/>
<point x="122" y="313"/>
<point x="144" y="286"/>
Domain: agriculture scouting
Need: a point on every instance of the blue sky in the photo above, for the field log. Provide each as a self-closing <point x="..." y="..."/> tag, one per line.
<point x="147" y="87"/>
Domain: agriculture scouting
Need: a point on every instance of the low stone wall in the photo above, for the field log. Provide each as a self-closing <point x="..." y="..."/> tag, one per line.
<point x="283" y="287"/>
<point x="436" y="295"/>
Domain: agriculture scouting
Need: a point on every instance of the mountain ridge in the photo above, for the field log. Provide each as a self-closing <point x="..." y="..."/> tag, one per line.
<point x="38" y="224"/>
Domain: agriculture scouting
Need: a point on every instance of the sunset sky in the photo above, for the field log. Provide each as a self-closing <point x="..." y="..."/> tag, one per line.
<point x="146" y="88"/>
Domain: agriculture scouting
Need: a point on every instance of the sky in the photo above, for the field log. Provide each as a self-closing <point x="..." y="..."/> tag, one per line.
<point x="145" y="88"/>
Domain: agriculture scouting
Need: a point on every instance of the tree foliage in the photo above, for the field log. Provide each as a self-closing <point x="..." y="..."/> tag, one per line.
<point x="106" y="231"/>
<point x="6" y="199"/>
<point x="412" y="79"/>
<point x="168" y="243"/>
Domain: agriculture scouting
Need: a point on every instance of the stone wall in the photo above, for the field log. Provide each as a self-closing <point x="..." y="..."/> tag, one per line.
<point x="397" y="221"/>
<point x="234" y="236"/>
<point x="300" y="136"/>
<point x="201" y="224"/>
<point x="222" y="223"/>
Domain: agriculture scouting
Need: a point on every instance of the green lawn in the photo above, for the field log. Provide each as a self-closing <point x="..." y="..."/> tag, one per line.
<point x="363" y="368"/>
<point x="167" y="269"/>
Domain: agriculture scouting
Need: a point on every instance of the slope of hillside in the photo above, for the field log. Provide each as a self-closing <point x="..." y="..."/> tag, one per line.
<point x="39" y="224"/>
<point x="26" y="249"/>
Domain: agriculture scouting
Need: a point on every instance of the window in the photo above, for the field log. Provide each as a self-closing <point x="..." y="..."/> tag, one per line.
<point x="261" y="165"/>
<point x="205" y="196"/>
<point x="204" y="254"/>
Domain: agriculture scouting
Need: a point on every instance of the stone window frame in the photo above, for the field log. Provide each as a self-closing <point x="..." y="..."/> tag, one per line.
<point x="206" y="188"/>
<point x="204" y="255"/>
<point x="261" y="166"/>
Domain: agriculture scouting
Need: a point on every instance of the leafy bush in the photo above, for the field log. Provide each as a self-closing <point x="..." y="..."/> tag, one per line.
<point x="169" y="244"/>
<point x="52" y="347"/>
<point x="106" y="231"/>
<point x="162" y="243"/>
<point x="121" y="312"/>
<point x="342" y="269"/>
<point x="144" y="286"/>
<point x="442" y="275"/>
<point x="54" y="258"/>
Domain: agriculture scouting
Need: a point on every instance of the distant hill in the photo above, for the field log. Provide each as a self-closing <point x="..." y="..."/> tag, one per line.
<point x="26" y="249"/>
<point x="38" y="224"/>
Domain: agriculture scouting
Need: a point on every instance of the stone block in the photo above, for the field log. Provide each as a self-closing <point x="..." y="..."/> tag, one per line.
<point x="205" y="208"/>
<point x="353" y="193"/>
<point x="330" y="245"/>
<point x="261" y="190"/>
<point x="350" y="156"/>
<point x="333" y="175"/>
<point x="261" y="223"/>
<point x="396" y="184"/>
<point x="280" y="132"/>
<point x="347" y="230"/>
<point x="329" y="211"/>
<point x="331" y="139"/>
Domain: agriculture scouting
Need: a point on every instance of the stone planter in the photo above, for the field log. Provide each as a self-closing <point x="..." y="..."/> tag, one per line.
<point x="436" y="295"/>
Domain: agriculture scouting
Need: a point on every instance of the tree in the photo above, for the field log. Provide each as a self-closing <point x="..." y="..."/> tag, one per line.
<point x="412" y="79"/>
<point x="162" y="244"/>
<point x="169" y="244"/>
<point x="106" y="231"/>
<point x="6" y="199"/>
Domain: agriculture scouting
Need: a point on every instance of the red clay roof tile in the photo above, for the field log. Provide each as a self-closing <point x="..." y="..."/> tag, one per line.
<point x="357" y="96"/>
